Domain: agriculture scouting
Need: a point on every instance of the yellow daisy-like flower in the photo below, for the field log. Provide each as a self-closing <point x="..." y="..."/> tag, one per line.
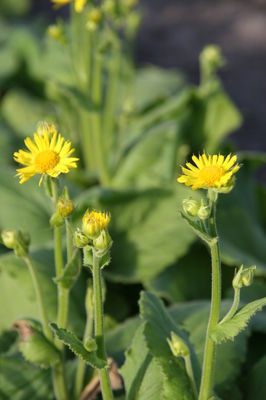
<point x="49" y="154"/>
<point x="93" y="222"/>
<point x="209" y="172"/>
<point x="79" y="4"/>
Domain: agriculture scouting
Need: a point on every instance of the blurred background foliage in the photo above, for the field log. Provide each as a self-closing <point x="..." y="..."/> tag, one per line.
<point x="150" y="121"/>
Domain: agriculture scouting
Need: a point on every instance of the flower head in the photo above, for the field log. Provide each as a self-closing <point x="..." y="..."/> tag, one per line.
<point x="49" y="154"/>
<point x="94" y="222"/>
<point x="209" y="172"/>
<point x="79" y="4"/>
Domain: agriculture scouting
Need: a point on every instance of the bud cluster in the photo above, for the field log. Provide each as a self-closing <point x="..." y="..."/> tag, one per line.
<point x="64" y="209"/>
<point x="195" y="208"/>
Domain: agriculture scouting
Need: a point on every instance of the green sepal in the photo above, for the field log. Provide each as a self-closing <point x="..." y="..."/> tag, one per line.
<point x="197" y="228"/>
<point x="71" y="271"/>
<point x="35" y="347"/>
<point x="76" y="345"/>
<point x="88" y="259"/>
<point x="231" y="328"/>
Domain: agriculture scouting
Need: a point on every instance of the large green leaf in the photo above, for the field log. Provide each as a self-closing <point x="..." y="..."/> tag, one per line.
<point x="21" y="381"/>
<point x="256" y="385"/>
<point x="24" y="207"/>
<point x="22" y="111"/>
<point x="229" y="329"/>
<point x="147" y="232"/>
<point x="152" y="158"/>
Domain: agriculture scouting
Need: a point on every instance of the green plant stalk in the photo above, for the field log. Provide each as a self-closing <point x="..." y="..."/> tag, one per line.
<point x="39" y="297"/>
<point x="62" y="311"/>
<point x="234" y="306"/>
<point x="111" y="94"/>
<point x="210" y="347"/>
<point x="99" y="328"/>
<point x="96" y="121"/>
<point x="81" y="364"/>
<point x="190" y="374"/>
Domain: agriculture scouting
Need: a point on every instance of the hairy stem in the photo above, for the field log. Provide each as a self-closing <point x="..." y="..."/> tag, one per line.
<point x="190" y="374"/>
<point x="234" y="306"/>
<point x="99" y="329"/>
<point x="209" y="351"/>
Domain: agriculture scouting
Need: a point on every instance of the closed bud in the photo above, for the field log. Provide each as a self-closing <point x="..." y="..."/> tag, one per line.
<point x="191" y="207"/>
<point x="56" y="220"/>
<point x="102" y="243"/>
<point x="94" y="20"/>
<point x="65" y="207"/>
<point x="80" y="239"/>
<point x="211" y="59"/>
<point x="90" y="344"/>
<point x="93" y="222"/>
<point x="178" y="346"/>
<point x="16" y="240"/>
<point x="244" y="277"/>
<point x="204" y="211"/>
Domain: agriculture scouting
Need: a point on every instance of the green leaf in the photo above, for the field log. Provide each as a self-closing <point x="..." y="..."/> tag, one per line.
<point x="197" y="228"/>
<point x="71" y="271"/>
<point x="24" y="207"/>
<point x="7" y="339"/>
<point x="76" y="345"/>
<point x="20" y="380"/>
<point x="256" y="385"/>
<point x="151" y="159"/>
<point x="22" y="111"/>
<point x="231" y="328"/>
<point x="158" y="328"/>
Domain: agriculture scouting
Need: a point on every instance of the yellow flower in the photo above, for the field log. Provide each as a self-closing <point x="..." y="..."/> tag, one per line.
<point x="49" y="154"/>
<point x="93" y="222"/>
<point x="79" y="4"/>
<point x="209" y="172"/>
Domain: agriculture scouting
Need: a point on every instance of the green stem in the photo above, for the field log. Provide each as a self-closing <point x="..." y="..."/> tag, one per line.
<point x="39" y="297"/>
<point x="59" y="382"/>
<point x="69" y="239"/>
<point x="96" y="120"/>
<point x="234" y="306"/>
<point x="81" y="364"/>
<point x="209" y="351"/>
<point x="99" y="328"/>
<point x="190" y="374"/>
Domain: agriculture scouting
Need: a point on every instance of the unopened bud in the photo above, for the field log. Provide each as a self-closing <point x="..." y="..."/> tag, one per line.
<point x="178" y="346"/>
<point x="102" y="243"/>
<point x="80" y="239"/>
<point x="244" y="277"/>
<point x="93" y="222"/>
<point x="65" y="207"/>
<point x="90" y="344"/>
<point x="94" y="20"/>
<point x="211" y="59"/>
<point x="16" y="240"/>
<point x="204" y="211"/>
<point x="191" y="207"/>
<point x="56" y="220"/>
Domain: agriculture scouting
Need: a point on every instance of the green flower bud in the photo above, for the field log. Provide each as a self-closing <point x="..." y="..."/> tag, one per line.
<point x="204" y="211"/>
<point x="244" y="277"/>
<point x="178" y="346"/>
<point x="102" y="243"/>
<point x="65" y="207"/>
<point x="16" y="240"/>
<point x="56" y="220"/>
<point x="80" y="239"/>
<point x="211" y="59"/>
<point x="90" y="344"/>
<point x="94" y="20"/>
<point x="191" y="207"/>
<point x="35" y="347"/>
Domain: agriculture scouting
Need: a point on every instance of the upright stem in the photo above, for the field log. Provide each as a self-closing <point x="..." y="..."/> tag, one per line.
<point x="62" y="294"/>
<point x="99" y="329"/>
<point x="209" y="351"/>
<point x="39" y="297"/>
<point x="87" y="333"/>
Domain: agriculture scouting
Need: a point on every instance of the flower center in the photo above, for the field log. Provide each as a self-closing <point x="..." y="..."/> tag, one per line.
<point x="211" y="174"/>
<point x="46" y="160"/>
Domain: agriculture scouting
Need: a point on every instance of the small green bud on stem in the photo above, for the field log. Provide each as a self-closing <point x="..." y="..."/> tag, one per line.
<point x="178" y="346"/>
<point x="16" y="240"/>
<point x="191" y="207"/>
<point x="244" y="277"/>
